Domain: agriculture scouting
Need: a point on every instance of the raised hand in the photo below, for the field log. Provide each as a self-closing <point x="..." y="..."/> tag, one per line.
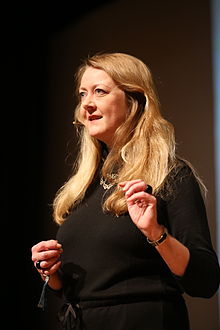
<point x="142" y="207"/>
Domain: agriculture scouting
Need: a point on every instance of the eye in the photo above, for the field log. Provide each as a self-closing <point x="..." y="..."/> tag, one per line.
<point x="82" y="94"/>
<point x="100" y="91"/>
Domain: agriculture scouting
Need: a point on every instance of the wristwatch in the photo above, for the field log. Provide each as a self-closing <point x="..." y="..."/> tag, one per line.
<point x="160" y="240"/>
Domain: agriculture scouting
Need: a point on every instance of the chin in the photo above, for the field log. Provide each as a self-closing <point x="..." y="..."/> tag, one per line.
<point x="99" y="137"/>
<point x="95" y="135"/>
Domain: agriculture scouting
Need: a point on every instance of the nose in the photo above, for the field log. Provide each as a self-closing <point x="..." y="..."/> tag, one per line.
<point x="88" y="104"/>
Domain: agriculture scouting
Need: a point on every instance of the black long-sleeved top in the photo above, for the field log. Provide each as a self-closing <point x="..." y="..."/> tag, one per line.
<point x="107" y="257"/>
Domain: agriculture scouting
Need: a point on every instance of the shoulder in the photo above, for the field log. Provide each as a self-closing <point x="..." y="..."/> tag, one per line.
<point x="181" y="170"/>
<point x="181" y="178"/>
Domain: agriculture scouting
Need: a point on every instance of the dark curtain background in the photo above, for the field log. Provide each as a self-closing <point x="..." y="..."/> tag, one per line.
<point x="44" y="45"/>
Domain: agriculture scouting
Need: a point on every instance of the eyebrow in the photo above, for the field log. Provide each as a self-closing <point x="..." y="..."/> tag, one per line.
<point x="96" y="85"/>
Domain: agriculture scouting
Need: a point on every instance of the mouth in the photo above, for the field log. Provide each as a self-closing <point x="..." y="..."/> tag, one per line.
<point x="93" y="117"/>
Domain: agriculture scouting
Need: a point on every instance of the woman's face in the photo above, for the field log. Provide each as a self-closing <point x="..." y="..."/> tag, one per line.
<point x="103" y="105"/>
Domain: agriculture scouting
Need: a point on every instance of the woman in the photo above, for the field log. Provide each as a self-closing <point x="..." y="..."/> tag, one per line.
<point x="133" y="232"/>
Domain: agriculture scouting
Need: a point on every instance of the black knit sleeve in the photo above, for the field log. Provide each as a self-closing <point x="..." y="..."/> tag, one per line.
<point x="188" y="223"/>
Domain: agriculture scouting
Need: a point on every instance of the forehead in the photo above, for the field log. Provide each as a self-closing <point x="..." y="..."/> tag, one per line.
<point x="94" y="76"/>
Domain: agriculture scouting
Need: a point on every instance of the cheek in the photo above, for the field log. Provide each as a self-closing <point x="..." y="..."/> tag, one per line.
<point x="117" y="119"/>
<point x="122" y="112"/>
<point x="82" y="114"/>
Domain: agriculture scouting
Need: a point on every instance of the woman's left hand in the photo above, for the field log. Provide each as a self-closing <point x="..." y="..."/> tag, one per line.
<point x="142" y="208"/>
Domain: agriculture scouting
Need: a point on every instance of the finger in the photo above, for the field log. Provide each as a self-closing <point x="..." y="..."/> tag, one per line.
<point x="125" y="184"/>
<point x="43" y="246"/>
<point x="45" y="255"/>
<point x="122" y="184"/>
<point x="46" y="245"/>
<point x="142" y="197"/>
<point x="135" y="187"/>
<point x="53" y="269"/>
<point x="46" y="264"/>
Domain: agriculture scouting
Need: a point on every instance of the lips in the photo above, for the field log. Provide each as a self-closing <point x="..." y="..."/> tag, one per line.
<point x="94" y="117"/>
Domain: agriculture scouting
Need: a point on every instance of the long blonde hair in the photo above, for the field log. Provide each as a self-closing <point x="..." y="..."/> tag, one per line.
<point x="144" y="145"/>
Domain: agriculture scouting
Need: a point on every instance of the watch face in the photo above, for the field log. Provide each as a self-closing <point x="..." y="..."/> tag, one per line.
<point x="160" y="240"/>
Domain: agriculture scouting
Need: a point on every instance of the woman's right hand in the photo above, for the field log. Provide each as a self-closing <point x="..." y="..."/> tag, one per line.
<point x="48" y="252"/>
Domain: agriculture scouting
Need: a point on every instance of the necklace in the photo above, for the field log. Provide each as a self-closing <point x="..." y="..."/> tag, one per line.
<point x="105" y="183"/>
